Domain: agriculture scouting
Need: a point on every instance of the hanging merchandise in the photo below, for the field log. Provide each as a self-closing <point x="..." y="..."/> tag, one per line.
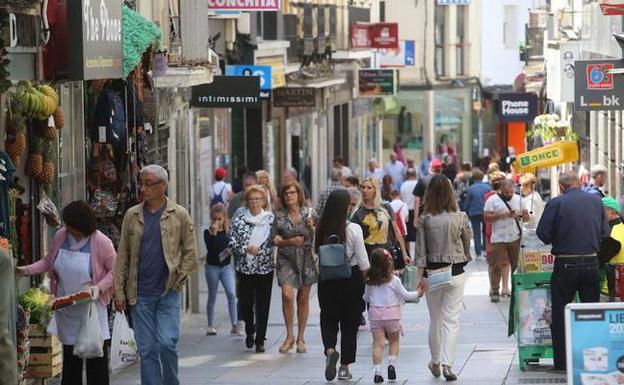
<point x="109" y="125"/>
<point x="6" y="176"/>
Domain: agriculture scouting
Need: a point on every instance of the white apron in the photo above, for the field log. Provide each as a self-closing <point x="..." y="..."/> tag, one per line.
<point x="72" y="269"/>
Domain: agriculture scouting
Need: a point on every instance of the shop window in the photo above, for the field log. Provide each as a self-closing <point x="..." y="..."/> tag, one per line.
<point x="439" y="41"/>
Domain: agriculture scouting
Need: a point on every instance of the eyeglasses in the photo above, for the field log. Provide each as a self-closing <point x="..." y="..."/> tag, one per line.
<point x="255" y="199"/>
<point x="149" y="184"/>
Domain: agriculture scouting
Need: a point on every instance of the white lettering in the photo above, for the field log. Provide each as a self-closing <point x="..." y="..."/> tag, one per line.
<point x="243" y="4"/>
<point x="102" y="28"/>
<point x="510" y="107"/>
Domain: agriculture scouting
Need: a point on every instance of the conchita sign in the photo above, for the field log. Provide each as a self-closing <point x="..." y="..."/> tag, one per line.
<point x="243" y="5"/>
<point x="94" y="33"/>
<point x="520" y="107"/>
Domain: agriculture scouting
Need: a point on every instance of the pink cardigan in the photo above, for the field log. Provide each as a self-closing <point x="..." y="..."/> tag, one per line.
<point x="103" y="258"/>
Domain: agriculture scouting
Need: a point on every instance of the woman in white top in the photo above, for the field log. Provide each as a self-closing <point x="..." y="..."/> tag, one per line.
<point x="341" y="300"/>
<point x="531" y="199"/>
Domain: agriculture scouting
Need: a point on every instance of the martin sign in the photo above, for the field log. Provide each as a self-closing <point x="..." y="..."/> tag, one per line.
<point x="227" y="92"/>
<point x="516" y="107"/>
<point x="94" y="31"/>
<point x="596" y="88"/>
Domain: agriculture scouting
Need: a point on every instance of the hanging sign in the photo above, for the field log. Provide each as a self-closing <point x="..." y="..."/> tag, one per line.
<point x="372" y="82"/>
<point x="228" y="92"/>
<point x="377" y="35"/>
<point x="594" y="343"/>
<point x="519" y="107"/>
<point x="94" y="32"/>
<point x="401" y="57"/>
<point x="561" y="152"/>
<point x="595" y="88"/>
<point x="294" y="97"/>
<point x="243" y="5"/>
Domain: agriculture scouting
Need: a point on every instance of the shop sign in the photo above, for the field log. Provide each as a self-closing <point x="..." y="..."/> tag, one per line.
<point x="22" y="30"/>
<point x="377" y="82"/>
<point x="564" y="151"/>
<point x="594" y="343"/>
<point x="401" y="57"/>
<point x="278" y="75"/>
<point x="520" y="107"/>
<point x="94" y="32"/>
<point x="243" y="5"/>
<point x="262" y="72"/>
<point x="377" y="35"/>
<point x="595" y="88"/>
<point x="453" y="2"/>
<point x="560" y="67"/>
<point x="294" y="97"/>
<point x="228" y="92"/>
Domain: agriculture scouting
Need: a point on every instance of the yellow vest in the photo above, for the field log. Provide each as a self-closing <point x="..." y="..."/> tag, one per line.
<point x="617" y="233"/>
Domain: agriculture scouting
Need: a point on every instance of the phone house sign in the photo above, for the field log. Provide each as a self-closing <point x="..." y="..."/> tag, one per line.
<point x="519" y="107"/>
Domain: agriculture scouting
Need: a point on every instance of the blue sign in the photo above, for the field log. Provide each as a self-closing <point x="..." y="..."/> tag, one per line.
<point x="410" y="53"/>
<point x="264" y="72"/>
<point x="450" y="2"/>
<point x="595" y="343"/>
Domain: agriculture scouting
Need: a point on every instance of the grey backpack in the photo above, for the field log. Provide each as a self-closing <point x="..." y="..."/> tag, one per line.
<point x="333" y="260"/>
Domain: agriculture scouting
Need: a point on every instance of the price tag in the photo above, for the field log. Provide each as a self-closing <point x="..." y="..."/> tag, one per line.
<point x="102" y="134"/>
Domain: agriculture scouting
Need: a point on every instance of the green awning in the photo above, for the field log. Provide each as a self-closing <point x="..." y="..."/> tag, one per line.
<point x="138" y="34"/>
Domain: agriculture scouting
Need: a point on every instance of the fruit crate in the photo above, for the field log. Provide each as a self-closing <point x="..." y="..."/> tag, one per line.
<point x="46" y="354"/>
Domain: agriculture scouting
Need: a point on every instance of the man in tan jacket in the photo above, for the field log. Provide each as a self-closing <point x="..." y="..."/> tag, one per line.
<point x="157" y="252"/>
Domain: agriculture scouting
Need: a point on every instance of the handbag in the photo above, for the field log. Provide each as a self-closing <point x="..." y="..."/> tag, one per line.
<point x="439" y="278"/>
<point x="333" y="260"/>
<point x="394" y="247"/>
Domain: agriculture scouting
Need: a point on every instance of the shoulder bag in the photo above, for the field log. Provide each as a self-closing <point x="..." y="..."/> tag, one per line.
<point x="333" y="260"/>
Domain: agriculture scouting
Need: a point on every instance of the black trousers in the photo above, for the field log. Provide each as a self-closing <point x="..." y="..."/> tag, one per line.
<point x="97" y="368"/>
<point x="571" y="275"/>
<point x="255" y="293"/>
<point x="341" y="308"/>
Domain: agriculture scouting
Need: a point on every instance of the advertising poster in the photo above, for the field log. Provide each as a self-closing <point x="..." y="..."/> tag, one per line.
<point x="595" y="343"/>
<point x="373" y="82"/>
<point x="535" y="317"/>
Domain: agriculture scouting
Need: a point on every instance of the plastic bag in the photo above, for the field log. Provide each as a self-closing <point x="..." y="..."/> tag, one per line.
<point x="123" y="351"/>
<point x="409" y="279"/>
<point x="89" y="342"/>
<point x="49" y="211"/>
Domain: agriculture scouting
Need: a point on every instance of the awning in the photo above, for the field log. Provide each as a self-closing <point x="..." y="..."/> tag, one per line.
<point x="565" y="151"/>
<point x="138" y="34"/>
<point x="184" y="77"/>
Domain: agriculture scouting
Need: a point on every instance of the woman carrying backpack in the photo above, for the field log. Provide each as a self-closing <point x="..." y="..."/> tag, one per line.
<point x="221" y="190"/>
<point x="340" y="299"/>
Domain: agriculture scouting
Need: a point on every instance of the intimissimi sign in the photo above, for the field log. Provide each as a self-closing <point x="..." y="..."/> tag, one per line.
<point x="516" y="107"/>
<point x="243" y="5"/>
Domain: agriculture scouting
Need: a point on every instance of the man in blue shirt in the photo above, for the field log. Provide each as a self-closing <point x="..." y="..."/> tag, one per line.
<point x="474" y="208"/>
<point x="575" y="224"/>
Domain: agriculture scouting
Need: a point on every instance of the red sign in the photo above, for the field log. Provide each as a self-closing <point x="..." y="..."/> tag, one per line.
<point x="612" y="8"/>
<point x="599" y="76"/>
<point x="378" y="35"/>
<point x="243" y="5"/>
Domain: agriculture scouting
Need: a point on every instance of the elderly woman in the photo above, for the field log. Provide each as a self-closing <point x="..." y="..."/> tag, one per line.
<point x="80" y="256"/>
<point x="378" y="221"/>
<point x="251" y="245"/>
<point x="294" y="232"/>
<point x="442" y="252"/>
<point x="531" y="199"/>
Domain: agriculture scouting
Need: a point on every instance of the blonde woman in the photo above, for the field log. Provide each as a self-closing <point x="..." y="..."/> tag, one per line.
<point x="378" y="221"/>
<point x="264" y="180"/>
<point x="531" y="199"/>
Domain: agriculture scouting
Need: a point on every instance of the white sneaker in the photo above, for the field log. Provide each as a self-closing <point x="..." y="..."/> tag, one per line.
<point x="211" y="331"/>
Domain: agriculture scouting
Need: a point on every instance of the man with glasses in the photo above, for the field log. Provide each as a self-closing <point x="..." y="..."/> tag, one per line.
<point x="157" y="252"/>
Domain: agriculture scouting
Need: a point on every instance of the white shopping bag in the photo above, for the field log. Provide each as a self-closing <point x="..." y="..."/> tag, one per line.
<point x="123" y="346"/>
<point x="89" y="342"/>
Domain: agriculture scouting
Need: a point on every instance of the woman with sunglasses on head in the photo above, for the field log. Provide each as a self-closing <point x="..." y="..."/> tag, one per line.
<point x="296" y="269"/>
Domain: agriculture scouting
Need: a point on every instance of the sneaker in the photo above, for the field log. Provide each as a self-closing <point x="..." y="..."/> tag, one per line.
<point x="378" y="379"/>
<point x="249" y="341"/>
<point x="330" y="365"/>
<point x="211" y="331"/>
<point x="434" y="369"/>
<point x="391" y="373"/>
<point x="344" y="374"/>
<point x="234" y="331"/>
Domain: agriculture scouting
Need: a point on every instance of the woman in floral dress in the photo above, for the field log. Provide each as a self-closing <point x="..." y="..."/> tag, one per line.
<point x="296" y="271"/>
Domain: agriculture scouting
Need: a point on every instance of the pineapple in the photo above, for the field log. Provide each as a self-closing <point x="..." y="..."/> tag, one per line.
<point x="34" y="165"/>
<point x="15" y="146"/>
<point x="47" y="173"/>
<point x="59" y="118"/>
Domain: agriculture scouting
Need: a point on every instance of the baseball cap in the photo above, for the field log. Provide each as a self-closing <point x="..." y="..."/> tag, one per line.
<point x="436" y="164"/>
<point x="611" y="203"/>
<point x="220" y="173"/>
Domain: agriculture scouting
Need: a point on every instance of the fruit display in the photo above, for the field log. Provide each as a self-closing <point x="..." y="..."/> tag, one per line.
<point x="35" y="102"/>
<point x="34" y="165"/>
<point x="46" y="177"/>
<point x="15" y="146"/>
<point x="45" y="129"/>
<point x="59" y="118"/>
<point x="73" y="299"/>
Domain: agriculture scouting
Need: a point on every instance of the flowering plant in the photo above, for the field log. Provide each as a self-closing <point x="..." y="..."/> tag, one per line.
<point x="550" y="126"/>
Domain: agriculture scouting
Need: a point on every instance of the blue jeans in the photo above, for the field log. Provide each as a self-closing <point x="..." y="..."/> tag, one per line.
<point x="156" y="322"/>
<point x="478" y="232"/>
<point x="226" y="275"/>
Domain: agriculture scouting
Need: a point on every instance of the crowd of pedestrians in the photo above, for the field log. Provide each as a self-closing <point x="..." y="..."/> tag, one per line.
<point x="438" y="221"/>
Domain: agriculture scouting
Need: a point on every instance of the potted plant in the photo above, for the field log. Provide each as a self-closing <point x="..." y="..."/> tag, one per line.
<point x="524" y="53"/>
<point x="549" y="127"/>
